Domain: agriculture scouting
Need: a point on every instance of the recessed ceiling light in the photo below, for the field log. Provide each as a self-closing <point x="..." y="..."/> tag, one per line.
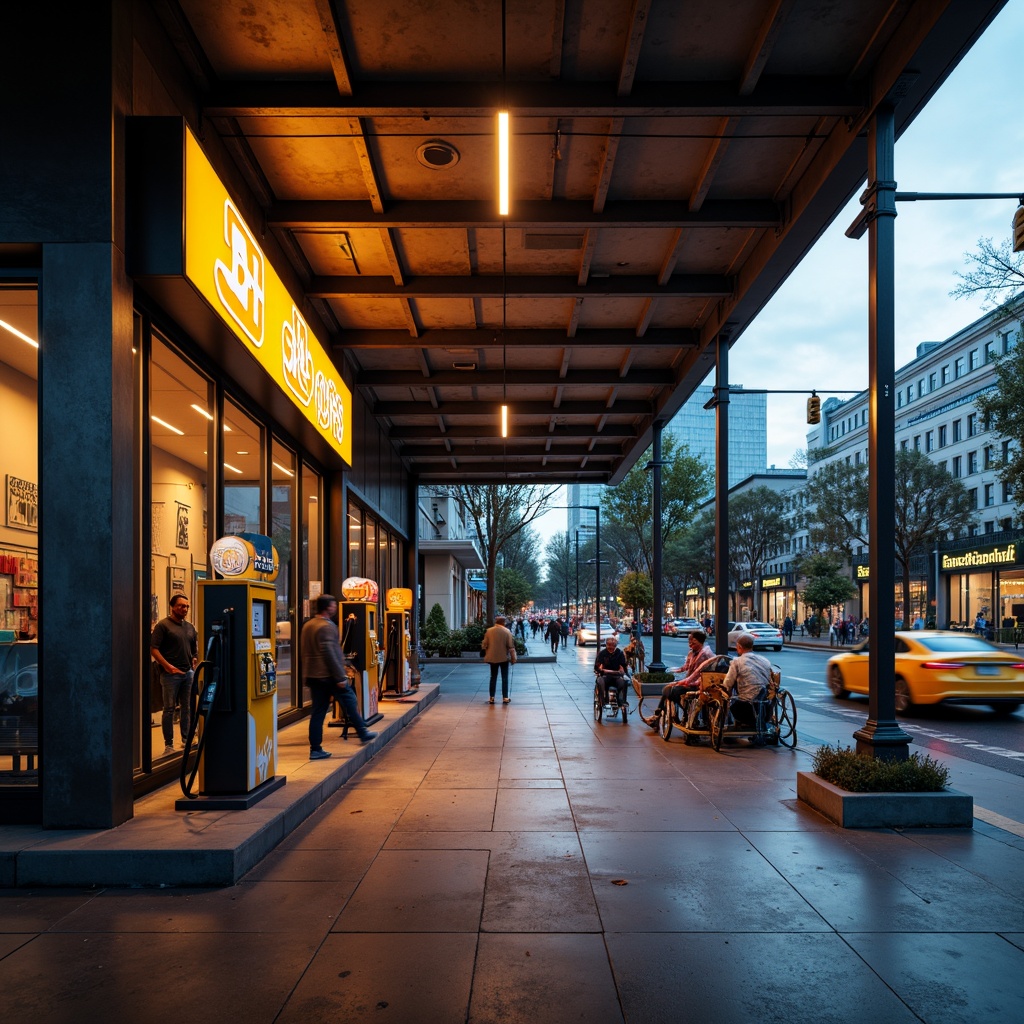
<point x="437" y="154"/>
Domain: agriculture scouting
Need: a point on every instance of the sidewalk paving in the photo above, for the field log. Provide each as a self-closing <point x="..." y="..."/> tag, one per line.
<point x="524" y="863"/>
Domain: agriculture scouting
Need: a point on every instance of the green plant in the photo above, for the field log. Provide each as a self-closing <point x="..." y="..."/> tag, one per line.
<point x="654" y="678"/>
<point x="520" y="646"/>
<point x="473" y="632"/>
<point x="435" y="630"/>
<point x="453" y="644"/>
<point x="858" y="773"/>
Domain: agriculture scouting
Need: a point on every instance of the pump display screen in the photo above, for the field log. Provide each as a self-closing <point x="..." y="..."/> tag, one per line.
<point x="260" y="619"/>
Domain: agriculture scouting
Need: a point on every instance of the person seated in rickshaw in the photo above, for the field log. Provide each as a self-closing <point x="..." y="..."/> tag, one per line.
<point x="610" y="668"/>
<point x="749" y="675"/>
<point x="699" y="655"/>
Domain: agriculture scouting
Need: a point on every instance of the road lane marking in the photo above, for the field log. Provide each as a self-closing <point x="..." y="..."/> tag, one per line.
<point x="999" y="821"/>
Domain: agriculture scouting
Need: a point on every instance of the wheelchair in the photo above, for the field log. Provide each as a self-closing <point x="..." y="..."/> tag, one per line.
<point x="617" y="701"/>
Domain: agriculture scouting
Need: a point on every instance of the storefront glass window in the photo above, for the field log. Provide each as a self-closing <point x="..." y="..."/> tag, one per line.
<point x="282" y="517"/>
<point x="243" y="472"/>
<point x="19" y="532"/>
<point x="355" y="540"/>
<point x="1011" y="599"/>
<point x="180" y="419"/>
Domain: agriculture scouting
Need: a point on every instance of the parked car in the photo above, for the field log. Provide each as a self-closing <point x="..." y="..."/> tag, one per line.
<point x="587" y="633"/>
<point x="933" y="667"/>
<point x="764" y="635"/>
<point x="680" y="627"/>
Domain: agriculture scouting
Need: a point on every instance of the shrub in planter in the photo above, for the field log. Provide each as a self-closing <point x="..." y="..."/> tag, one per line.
<point x="654" y="678"/>
<point x="520" y="646"/>
<point x="453" y="645"/>
<point x="858" y="773"/>
<point x="474" y="635"/>
<point x="435" y="631"/>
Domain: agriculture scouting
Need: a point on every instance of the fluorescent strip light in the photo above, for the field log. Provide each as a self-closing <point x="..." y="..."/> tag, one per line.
<point x="503" y="159"/>
<point x="202" y="412"/>
<point x="504" y="421"/>
<point x="227" y="465"/>
<point x="14" y="330"/>
<point x="287" y="472"/>
<point x="163" y="423"/>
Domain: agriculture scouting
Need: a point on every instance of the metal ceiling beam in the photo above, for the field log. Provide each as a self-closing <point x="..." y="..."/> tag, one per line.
<point x="520" y="287"/>
<point x="439" y="340"/>
<point x="773" y="96"/>
<point x="483" y="411"/>
<point x="560" y="432"/>
<point x="339" y="214"/>
<point x="496" y="449"/>
<point x="653" y="378"/>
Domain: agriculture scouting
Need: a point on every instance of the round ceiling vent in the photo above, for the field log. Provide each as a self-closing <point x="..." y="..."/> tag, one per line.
<point x="437" y="154"/>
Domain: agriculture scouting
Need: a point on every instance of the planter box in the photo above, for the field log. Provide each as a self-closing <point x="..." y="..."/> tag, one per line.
<point x="948" y="809"/>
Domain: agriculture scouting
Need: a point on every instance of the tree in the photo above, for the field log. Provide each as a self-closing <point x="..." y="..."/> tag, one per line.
<point x="930" y="502"/>
<point x="560" y="569"/>
<point x="1004" y="407"/>
<point x="827" y="584"/>
<point x="757" y="531"/>
<point x="520" y="553"/>
<point x="627" y="508"/>
<point x="512" y="590"/>
<point x="689" y="558"/>
<point x="499" y="512"/>
<point x="637" y="592"/>
<point x="996" y="272"/>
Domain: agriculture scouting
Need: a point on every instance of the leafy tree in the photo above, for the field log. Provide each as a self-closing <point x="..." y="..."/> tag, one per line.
<point x="1004" y="406"/>
<point x="996" y="271"/>
<point x="627" y="508"/>
<point x="636" y="592"/>
<point x="512" y="590"/>
<point x="930" y="503"/>
<point x="827" y="584"/>
<point x="499" y="512"/>
<point x="757" y="531"/>
<point x="560" y="568"/>
<point x="520" y="552"/>
<point x="689" y="559"/>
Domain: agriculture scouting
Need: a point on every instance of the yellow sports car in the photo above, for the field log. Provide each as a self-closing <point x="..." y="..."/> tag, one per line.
<point x="935" y="667"/>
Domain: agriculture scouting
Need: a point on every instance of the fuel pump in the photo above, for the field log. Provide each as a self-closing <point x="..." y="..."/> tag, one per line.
<point x="357" y="614"/>
<point x="236" y="754"/>
<point x="396" y="678"/>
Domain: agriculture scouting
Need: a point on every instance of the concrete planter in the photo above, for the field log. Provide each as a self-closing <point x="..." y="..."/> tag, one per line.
<point x="948" y="809"/>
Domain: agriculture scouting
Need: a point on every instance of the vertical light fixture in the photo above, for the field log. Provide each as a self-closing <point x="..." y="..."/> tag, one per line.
<point x="503" y="208"/>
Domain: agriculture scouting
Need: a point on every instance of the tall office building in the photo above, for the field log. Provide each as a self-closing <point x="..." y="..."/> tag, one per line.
<point x="694" y="426"/>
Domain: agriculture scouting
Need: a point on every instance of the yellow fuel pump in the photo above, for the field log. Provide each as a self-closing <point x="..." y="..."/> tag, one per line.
<point x="397" y="678"/>
<point x="237" y="715"/>
<point x="357" y="620"/>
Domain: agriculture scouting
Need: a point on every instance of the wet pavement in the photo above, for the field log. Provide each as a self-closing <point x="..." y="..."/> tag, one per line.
<point x="523" y="863"/>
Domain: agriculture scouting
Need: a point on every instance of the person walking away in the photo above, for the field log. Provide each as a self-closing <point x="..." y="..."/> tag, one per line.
<point x="499" y="647"/>
<point x="553" y="634"/>
<point x="787" y="629"/>
<point x="563" y="628"/>
<point x="174" y="646"/>
<point x="325" y="673"/>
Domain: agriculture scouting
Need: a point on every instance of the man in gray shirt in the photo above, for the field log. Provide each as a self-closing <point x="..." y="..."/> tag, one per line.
<point x="749" y="674"/>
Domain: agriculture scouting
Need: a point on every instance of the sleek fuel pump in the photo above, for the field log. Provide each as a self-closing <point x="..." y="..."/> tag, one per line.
<point x="357" y="620"/>
<point x="396" y="678"/>
<point x="236" y="756"/>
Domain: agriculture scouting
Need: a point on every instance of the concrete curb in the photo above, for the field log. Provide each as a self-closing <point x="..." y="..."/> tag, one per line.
<point x="948" y="809"/>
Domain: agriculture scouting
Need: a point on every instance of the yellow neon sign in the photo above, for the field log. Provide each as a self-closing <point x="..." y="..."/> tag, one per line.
<point x="225" y="263"/>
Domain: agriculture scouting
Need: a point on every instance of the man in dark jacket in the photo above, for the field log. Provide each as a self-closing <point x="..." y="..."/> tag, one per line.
<point x="326" y="676"/>
<point x="553" y="634"/>
<point x="610" y="666"/>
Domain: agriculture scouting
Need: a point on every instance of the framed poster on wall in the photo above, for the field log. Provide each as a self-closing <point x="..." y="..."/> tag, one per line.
<point x="22" y="503"/>
<point x="176" y="579"/>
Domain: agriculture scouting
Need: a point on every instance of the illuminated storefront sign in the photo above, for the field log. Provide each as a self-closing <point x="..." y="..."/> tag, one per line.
<point x="771" y="581"/>
<point x="863" y="572"/>
<point x="225" y="263"/>
<point x="980" y="558"/>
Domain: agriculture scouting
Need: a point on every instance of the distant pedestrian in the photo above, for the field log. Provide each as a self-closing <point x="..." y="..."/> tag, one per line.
<point x="787" y="629"/>
<point x="553" y="634"/>
<point x="499" y="647"/>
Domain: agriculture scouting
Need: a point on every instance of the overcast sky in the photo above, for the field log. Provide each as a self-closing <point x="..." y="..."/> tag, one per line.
<point x="813" y="332"/>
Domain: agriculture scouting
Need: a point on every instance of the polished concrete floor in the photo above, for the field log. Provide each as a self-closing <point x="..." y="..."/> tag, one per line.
<point x="522" y="863"/>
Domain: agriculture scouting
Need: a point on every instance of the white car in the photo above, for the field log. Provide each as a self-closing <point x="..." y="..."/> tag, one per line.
<point x="764" y="635"/>
<point x="587" y="633"/>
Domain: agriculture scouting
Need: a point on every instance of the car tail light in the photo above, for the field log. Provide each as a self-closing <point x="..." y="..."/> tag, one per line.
<point x="1019" y="666"/>
<point x="944" y="664"/>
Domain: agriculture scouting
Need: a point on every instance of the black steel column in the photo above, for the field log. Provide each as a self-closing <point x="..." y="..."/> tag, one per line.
<point x="412" y="575"/>
<point x="881" y="735"/>
<point x="656" y="665"/>
<point x="722" y="495"/>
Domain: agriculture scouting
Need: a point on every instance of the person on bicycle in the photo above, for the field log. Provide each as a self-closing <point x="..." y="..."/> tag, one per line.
<point x="610" y="667"/>
<point x="749" y="675"/>
<point x="699" y="655"/>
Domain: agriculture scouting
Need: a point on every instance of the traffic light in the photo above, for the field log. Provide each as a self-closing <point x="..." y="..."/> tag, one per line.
<point x="1018" y="230"/>
<point x="813" y="409"/>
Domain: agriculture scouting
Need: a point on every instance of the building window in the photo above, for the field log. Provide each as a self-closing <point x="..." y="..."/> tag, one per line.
<point x="945" y="374"/>
<point x="989" y="452"/>
<point x="917" y="442"/>
<point x="990" y="351"/>
<point x="931" y="381"/>
<point x="910" y="393"/>
<point x="929" y="439"/>
<point x="942" y="437"/>
<point x="958" y="368"/>
<point x="920" y="388"/>
<point x="975" y="361"/>
<point x="957" y="467"/>
<point x="1007" y="493"/>
<point x="972" y="463"/>
<point x="973" y="495"/>
<point x="904" y="444"/>
<point x="957" y="430"/>
<point x="972" y="424"/>
<point x="1006" y="452"/>
<point x="990" y="498"/>
<point x="989" y="526"/>
<point x="899" y="399"/>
